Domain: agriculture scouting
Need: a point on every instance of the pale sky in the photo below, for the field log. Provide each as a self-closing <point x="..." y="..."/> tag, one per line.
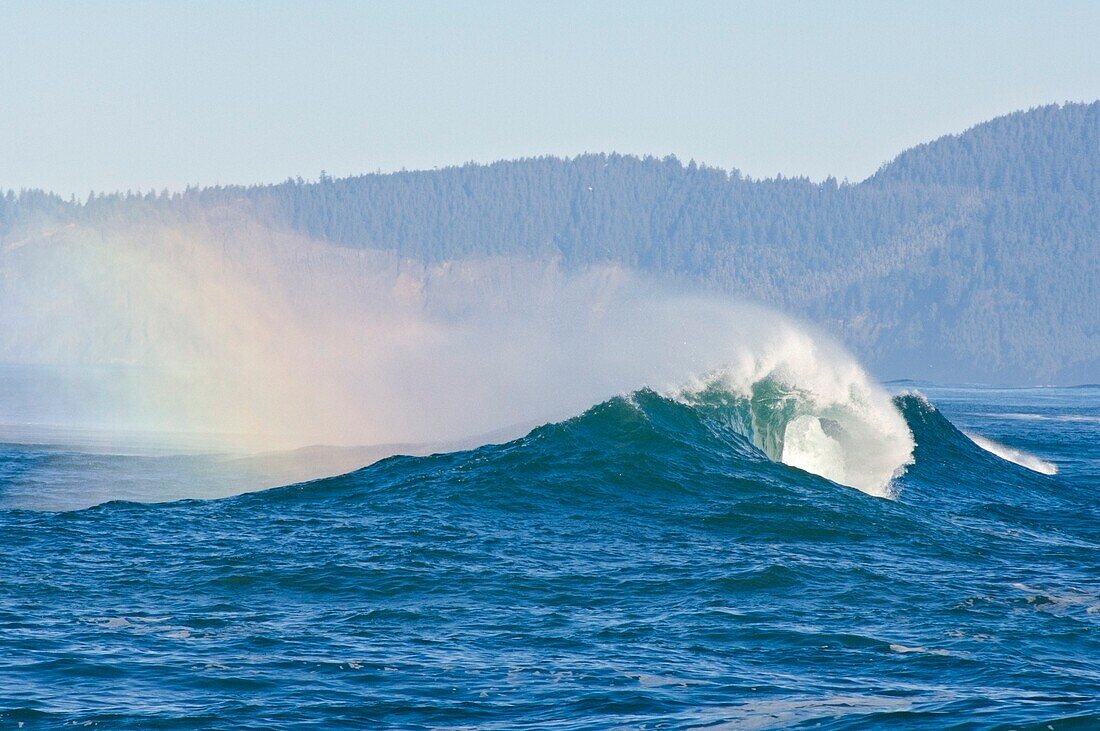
<point x="127" y="95"/>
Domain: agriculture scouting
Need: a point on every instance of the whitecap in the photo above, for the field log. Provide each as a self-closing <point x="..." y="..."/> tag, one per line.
<point x="1016" y="456"/>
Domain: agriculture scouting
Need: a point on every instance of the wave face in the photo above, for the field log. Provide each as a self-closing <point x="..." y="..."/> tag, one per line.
<point x="845" y="430"/>
<point x="664" y="559"/>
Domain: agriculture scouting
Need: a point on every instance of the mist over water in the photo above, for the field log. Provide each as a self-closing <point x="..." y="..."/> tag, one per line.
<point x="276" y="341"/>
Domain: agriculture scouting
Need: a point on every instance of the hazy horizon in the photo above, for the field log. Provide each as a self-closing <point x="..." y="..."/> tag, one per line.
<point x="315" y="177"/>
<point x="115" y="96"/>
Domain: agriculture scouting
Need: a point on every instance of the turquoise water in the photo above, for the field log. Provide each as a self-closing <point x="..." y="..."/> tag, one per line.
<point x="643" y="565"/>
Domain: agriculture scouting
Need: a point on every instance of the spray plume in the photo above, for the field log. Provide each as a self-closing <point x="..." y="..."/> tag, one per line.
<point x="277" y="341"/>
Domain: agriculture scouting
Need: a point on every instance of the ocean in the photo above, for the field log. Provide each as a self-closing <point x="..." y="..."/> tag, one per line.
<point x="656" y="563"/>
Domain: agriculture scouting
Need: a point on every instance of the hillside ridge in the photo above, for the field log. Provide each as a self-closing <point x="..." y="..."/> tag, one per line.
<point x="975" y="256"/>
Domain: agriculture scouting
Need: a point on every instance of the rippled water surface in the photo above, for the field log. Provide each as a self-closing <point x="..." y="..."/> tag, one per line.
<point x="641" y="566"/>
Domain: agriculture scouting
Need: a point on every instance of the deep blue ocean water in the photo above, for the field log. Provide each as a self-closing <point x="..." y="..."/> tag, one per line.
<point x="640" y="566"/>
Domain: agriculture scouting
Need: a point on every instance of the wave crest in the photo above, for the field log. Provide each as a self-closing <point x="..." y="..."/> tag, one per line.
<point x="1016" y="456"/>
<point x="810" y="407"/>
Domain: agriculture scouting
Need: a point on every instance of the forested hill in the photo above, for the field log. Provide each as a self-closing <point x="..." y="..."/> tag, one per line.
<point x="973" y="257"/>
<point x="1049" y="149"/>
